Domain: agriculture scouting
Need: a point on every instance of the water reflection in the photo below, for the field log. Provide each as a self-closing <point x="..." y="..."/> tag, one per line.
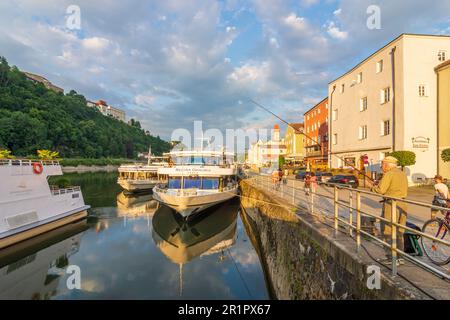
<point x="130" y="247"/>
<point x="181" y="240"/>
<point x="33" y="269"/>
<point x="136" y="204"/>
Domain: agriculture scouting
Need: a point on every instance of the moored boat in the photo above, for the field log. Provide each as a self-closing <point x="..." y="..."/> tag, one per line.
<point x="197" y="180"/>
<point x="29" y="206"/>
<point x="141" y="177"/>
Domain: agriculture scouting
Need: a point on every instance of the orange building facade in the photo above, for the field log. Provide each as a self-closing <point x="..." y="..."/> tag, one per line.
<point x="316" y="130"/>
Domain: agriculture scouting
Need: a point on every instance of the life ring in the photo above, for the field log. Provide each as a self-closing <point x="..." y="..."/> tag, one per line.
<point x="37" y="168"/>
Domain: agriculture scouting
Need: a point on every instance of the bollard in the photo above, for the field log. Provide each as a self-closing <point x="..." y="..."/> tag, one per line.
<point x="336" y="209"/>
<point x="293" y="192"/>
<point x="358" y="221"/>
<point x="394" y="237"/>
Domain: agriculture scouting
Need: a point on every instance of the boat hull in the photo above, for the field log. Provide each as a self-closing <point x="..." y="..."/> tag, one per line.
<point x="192" y="204"/>
<point x="40" y="229"/>
<point x="137" y="185"/>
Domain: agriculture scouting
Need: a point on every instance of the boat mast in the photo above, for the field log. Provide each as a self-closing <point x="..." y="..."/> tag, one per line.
<point x="149" y="154"/>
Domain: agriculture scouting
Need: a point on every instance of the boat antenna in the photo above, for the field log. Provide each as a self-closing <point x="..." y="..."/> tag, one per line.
<point x="149" y="154"/>
<point x="308" y="137"/>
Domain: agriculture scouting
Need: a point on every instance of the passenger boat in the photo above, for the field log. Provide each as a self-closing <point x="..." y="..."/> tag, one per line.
<point x="197" y="180"/>
<point x="141" y="177"/>
<point x="29" y="206"/>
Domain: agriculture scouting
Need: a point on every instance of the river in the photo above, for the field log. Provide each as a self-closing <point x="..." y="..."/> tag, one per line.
<point x="131" y="247"/>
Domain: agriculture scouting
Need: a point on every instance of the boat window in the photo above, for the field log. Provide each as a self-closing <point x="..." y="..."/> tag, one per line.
<point x="174" y="183"/>
<point x="192" y="183"/>
<point x="210" y="183"/>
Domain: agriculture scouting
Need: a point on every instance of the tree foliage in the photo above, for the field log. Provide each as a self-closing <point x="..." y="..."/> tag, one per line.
<point x="47" y="154"/>
<point x="33" y="117"/>
<point x="6" y="154"/>
<point x="405" y="158"/>
<point x="445" y="155"/>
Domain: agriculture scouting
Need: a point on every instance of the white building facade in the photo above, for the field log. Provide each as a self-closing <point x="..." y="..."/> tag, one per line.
<point x="266" y="153"/>
<point x="388" y="103"/>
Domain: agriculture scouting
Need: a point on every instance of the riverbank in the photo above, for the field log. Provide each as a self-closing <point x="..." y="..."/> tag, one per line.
<point x="84" y="169"/>
<point x="306" y="259"/>
<point x="81" y="165"/>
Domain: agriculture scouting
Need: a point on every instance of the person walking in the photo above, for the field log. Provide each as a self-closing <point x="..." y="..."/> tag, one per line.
<point x="307" y="186"/>
<point x="393" y="184"/>
<point x="275" y="179"/>
<point x="313" y="182"/>
<point x="441" y="196"/>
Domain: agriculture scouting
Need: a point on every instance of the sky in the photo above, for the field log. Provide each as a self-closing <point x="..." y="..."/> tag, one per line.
<point x="169" y="63"/>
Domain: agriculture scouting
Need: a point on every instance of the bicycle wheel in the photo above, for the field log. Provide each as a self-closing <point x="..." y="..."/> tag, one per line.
<point x="435" y="251"/>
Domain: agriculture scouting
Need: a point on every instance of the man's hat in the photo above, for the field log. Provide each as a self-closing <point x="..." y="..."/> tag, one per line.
<point x="390" y="159"/>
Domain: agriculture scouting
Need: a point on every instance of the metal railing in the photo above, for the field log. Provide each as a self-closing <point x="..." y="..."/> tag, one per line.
<point x="27" y="162"/>
<point x="291" y="192"/>
<point x="61" y="191"/>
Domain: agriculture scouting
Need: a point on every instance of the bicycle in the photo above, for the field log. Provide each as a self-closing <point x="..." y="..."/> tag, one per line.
<point x="437" y="252"/>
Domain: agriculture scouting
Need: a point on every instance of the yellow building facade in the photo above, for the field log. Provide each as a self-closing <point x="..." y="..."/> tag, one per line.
<point x="443" y="74"/>
<point x="294" y="141"/>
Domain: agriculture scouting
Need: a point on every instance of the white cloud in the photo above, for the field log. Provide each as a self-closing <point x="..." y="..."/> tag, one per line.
<point x="295" y="22"/>
<point x="335" y="32"/>
<point x="96" y="44"/>
<point x="144" y="100"/>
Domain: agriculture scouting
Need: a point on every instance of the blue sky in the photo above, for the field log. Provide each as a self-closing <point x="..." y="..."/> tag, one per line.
<point x="168" y="63"/>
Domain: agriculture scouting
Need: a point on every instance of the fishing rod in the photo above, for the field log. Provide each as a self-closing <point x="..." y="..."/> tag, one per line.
<point x="308" y="137"/>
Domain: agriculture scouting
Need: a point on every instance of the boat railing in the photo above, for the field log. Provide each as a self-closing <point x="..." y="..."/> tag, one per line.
<point x="193" y="191"/>
<point x="59" y="191"/>
<point x="27" y="162"/>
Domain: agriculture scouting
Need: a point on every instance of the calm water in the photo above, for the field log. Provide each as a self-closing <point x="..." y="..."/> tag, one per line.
<point x="134" y="248"/>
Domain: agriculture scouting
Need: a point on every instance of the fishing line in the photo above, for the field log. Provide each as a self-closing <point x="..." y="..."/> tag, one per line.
<point x="308" y="137"/>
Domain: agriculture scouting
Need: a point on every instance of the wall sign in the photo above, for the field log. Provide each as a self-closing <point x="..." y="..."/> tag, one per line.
<point x="421" y="143"/>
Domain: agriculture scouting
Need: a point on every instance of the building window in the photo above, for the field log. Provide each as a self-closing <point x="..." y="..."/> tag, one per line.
<point x="362" y="132"/>
<point x="385" y="95"/>
<point x="386" y="128"/>
<point x="318" y="111"/>
<point x="363" y="104"/>
<point x="335" y="114"/>
<point x="423" y="90"/>
<point x="335" y="137"/>
<point x="326" y="106"/>
<point x="442" y="55"/>
<point x="380" y="66"/>
<point x="342" y="88"/>
<point x="359" y="78"/>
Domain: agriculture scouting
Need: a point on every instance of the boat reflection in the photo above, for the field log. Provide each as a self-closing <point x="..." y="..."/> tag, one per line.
<point x="183" y="240"/>
<point x="136" y="205"/>
<point x="32" y="269"/>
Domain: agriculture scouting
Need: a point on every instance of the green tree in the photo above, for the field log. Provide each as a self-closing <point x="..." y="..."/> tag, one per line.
<point x="281" y="162"/>
<point x="33" y="117"/>
<point x="405" y="158"/>
<point x="6" y="154"/>
<point x="47" y="154"/>
<point x="445" y="155"/>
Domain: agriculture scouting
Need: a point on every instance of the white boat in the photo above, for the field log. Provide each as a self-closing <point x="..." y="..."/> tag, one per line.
<point x="141" y="177"/>
<point x="29" y="206"/>
<point x="197" y="180"/>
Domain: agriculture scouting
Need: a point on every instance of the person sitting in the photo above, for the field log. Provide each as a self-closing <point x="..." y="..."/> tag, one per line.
<point x="441" y="195"/>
